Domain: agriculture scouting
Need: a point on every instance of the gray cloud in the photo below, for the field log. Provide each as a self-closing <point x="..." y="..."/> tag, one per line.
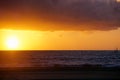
<point x="67" y="14"/>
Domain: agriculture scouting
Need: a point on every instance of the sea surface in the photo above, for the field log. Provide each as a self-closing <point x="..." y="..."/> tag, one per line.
<point x="51" y="58"/>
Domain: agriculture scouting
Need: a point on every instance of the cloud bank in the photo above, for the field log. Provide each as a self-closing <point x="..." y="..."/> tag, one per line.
<point x="62" y="14"/>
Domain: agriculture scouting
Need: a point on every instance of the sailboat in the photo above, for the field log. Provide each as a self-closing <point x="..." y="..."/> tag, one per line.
<point x="116" y="51"/>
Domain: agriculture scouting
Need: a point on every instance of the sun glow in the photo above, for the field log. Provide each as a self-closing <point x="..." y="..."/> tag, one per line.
<point x="118" y="0"/>
<point x="12" y="43"/>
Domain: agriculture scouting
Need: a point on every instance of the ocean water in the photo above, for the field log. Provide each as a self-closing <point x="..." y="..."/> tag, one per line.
<point x="51" y="58"/>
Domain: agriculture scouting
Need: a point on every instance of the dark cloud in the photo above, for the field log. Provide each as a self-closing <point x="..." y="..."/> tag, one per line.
<point x="64" y="14"/>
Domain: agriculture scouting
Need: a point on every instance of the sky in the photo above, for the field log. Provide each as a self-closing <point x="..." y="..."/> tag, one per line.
<point x="60" y="24"/>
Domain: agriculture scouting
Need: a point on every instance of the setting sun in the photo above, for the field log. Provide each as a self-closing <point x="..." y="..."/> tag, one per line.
<point x="12" y="43"/>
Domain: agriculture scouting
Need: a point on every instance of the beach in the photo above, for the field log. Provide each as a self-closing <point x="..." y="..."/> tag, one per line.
<point x="85" y="72"/>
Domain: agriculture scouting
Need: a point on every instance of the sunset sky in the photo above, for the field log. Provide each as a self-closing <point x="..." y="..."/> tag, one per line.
<point x="59" y="24"/>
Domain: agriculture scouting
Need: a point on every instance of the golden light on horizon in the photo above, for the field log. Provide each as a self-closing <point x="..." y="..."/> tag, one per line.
<point x="118" y="0"/>
<point x="58" y="40"/>
<point x="12" y="43"/>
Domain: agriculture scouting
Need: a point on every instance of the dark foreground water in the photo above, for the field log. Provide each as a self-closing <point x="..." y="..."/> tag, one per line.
<point x="51" y="58"/>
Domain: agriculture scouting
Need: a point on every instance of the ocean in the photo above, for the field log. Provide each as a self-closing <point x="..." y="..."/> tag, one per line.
<point x="51" y="58"/>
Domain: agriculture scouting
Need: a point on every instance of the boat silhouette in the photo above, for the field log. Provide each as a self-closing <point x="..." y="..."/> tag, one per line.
<point x="116" y="51"/>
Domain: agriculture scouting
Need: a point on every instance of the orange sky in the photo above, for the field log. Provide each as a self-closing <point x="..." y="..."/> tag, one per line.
<point x="62" y="40"/>
<point x="59" y="24"/>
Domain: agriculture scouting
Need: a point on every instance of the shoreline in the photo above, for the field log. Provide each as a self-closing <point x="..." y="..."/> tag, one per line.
<point x="57" y="67"/>
<point x="59" y="72"/>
